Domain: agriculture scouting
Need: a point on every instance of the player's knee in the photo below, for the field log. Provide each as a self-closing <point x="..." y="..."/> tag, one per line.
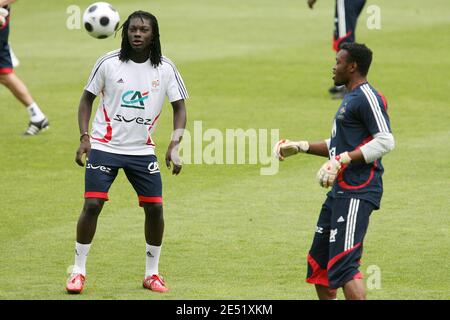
<point x="3" y="79"/>
<point x="360" y="296"/>
<point x="93" y="206"/>
<point x="325" y="293"/>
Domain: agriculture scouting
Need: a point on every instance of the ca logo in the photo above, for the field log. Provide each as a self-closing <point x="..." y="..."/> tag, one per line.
<point x="153" y="167"/>
<point x="134" y="99"/>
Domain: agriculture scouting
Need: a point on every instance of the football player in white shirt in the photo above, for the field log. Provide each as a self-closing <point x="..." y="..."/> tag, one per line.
<point x="133" y="83"/>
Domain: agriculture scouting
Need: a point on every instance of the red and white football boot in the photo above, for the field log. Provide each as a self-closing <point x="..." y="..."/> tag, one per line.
<point x="75" y="283"/>
<point x="155" y="283"/>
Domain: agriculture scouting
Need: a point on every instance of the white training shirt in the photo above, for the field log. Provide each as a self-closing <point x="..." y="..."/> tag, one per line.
<point x="132" y="96"/>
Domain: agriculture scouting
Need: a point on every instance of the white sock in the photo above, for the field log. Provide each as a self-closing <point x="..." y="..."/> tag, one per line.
<point x="35" y="113"/>
<point x="152" y="259"/>
<point x="81" y="252"/>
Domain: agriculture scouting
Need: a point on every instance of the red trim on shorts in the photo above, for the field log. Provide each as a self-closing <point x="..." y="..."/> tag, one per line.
<point x="319" y="275"/>
<point x="101" y="195"/>
<point x="359" y="275"/>
<point x="6" y="70"/>
<point x="143" y="199"/>
<point x="340" y="255"/>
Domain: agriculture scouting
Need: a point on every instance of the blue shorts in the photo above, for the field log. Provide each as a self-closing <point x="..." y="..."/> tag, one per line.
<point x="336" y="251"/>
<point x="6" y="65"/>
<point x="142" y="172"/>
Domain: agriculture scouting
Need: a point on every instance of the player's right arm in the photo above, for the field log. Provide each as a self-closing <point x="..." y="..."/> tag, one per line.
<point x="84" y="115"/>
<point x="95" y="85"/>
<point x="286" y="148"/>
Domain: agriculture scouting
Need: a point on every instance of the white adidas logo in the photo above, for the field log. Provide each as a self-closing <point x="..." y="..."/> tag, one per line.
<point x="341" y="219"/>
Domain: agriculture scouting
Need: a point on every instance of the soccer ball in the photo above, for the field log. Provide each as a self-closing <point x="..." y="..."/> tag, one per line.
<point x="101" y="20"/>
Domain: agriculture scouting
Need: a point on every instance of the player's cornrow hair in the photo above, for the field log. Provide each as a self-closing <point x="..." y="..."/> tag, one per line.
<point x="360" y="54"/>
<point x="155" y="45"/>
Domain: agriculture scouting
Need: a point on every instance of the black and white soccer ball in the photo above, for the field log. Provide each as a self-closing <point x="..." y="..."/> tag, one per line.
<point x="101" y="20"/>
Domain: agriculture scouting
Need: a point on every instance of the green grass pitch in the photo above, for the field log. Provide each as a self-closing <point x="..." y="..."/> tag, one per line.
<point x="230" y="232"/>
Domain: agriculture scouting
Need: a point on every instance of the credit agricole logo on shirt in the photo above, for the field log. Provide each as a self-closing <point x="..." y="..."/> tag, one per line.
<point x="134" y="99"/>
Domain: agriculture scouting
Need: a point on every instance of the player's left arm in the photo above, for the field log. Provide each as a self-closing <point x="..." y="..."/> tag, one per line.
<point x="381" y="144"/>
<point x="179" y="124"/>
<point x="376" y="119"/>
<point x="375" y="149"/>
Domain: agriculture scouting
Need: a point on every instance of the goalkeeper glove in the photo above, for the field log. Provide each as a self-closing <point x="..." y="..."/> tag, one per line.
<point x="3" y="14"/>
<point x="286" y="148"/>
<point x="331" y="169"/>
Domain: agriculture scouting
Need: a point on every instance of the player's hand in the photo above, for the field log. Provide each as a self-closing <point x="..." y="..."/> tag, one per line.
<point x="172" y="156"/>
<point x="286" y="148"/>
<point x="311" y="3"/>
<point x="85" y="148"/>
<point x="331" y="169"/>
